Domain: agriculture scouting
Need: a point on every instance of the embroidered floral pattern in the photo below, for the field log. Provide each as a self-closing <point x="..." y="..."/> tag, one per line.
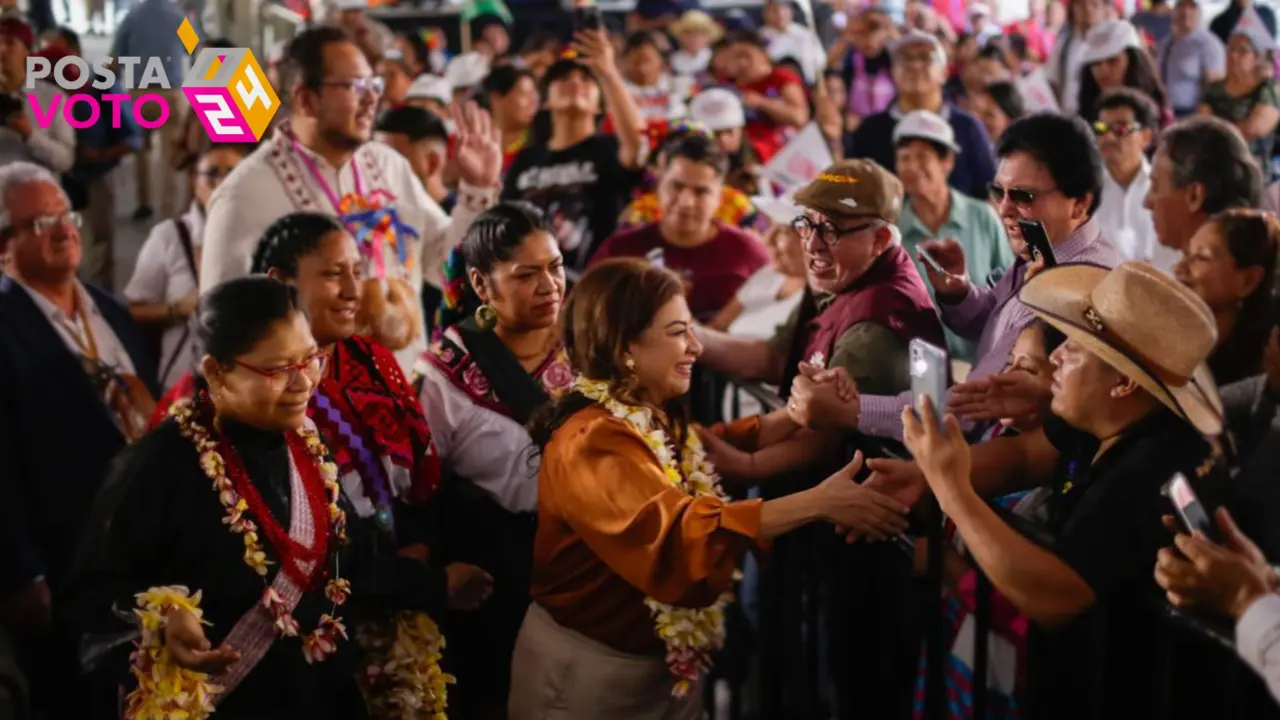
<point x="691" y="635"/>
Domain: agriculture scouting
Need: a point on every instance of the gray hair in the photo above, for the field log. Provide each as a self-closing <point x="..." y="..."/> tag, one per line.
<point x="1211" y="152"/>
<point x="15" y="175"/>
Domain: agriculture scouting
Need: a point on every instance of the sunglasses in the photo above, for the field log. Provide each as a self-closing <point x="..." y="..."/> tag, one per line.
<point x="1020" y="197"/>
<point x="1118" y="129"/>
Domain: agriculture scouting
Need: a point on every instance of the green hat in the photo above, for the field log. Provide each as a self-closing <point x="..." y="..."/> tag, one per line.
<point x="473" y="9"/>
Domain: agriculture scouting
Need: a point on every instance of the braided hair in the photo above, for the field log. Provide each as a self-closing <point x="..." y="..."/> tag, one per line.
<point x="491" y="239"/>
<point x="291" y="238"/>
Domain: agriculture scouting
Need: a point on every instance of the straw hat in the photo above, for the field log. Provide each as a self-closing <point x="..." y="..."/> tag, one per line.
<point x="697" y="21"/>
<point x="1141" y="322"/>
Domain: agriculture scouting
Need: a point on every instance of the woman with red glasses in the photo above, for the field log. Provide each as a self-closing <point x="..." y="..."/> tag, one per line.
<point x="365" y="410"/>
<point x="226" y="530"/>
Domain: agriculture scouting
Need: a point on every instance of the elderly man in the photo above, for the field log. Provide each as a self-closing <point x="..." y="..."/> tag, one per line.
<point x="1202" y="167"/>
<point x="322" y="161"/>
<point x="868" y="302"/>
<point x="926" y="150"/>
<point x="73" y="375"/>
<point x="919" y="72"/>
<point x="1051" y="172"/>
<point x="1132" y="406"/>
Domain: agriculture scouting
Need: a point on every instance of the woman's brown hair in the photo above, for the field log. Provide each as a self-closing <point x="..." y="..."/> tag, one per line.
<point x="1253" y="238"/>
<point x="610" y="307"/>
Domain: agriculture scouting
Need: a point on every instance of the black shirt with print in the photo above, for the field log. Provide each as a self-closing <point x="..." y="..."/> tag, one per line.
<point x="582" y="189"/>
<point x="1105" y="518"/>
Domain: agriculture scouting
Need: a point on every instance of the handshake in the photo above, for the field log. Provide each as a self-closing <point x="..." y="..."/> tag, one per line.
<point x="824" y="399"/>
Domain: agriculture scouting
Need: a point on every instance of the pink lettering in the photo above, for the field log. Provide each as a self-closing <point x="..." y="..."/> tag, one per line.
<point x="138" y="115"/>
<point x="94" y="111"/>
<point x="43" y="118"/>
<point x="114" y="100"/>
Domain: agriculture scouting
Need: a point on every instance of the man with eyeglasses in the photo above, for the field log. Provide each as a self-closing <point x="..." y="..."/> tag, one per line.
<point x="919" y="72"/>
<point x="321" y="160"/>
<point x="1050" y="170"/>
<point x="73" y="382"/>
<point x="1124" y="129"/>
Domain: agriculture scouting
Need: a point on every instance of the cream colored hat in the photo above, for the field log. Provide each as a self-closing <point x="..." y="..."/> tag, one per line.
<point x="1143" y="323"/>
<point x="1108" y="39"/>
<point x="697" y="21"/>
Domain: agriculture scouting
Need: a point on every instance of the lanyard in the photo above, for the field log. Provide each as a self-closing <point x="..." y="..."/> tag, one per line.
<point x="85" y="341"/>
<point x="319" y="177"/>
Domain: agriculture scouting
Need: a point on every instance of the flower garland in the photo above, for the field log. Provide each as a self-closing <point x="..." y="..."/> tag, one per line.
<point x="239" y="496"/>
<point x="691" y="634"/>
<point x="402" y="679"/>
<point x="164" y="689"/>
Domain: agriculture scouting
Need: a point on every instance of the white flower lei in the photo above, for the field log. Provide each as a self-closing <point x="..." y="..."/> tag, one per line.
<point x="691" y="634"/>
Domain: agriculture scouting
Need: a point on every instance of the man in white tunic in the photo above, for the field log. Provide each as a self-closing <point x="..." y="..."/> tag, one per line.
<point x="322" y="160"/>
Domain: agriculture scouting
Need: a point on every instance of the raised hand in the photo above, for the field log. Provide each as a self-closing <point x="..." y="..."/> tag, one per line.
<point x="595" y="51"/>
<point x="853" y="506"/>
<point x="954" y="280"/>
<point x="479" y="146"/>
<point x="1016" y="396"/>
<point x="939" y="449"/>
<point x="188" y="647"/>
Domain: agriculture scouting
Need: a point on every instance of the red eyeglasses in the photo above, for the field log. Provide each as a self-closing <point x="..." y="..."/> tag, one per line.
<point x="285" y="375"/>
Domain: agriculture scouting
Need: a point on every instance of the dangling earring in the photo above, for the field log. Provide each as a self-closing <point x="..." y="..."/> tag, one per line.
<point x="486" y="317"/>
<point x="631" y="364"/>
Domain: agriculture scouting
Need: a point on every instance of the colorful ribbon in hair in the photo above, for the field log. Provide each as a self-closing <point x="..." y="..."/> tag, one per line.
<point x="374" y="225"/>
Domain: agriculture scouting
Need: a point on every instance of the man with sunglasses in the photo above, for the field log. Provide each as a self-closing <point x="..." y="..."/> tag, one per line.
<point x="1124" y="129"/>
<point x="1050" y="171"/>
<point x="321" y="159"/>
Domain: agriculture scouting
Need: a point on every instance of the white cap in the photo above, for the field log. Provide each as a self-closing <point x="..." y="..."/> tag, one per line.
<point x="718" y="109"/>
<point x="925" y="125"/>
<point x="1250" y="26"/>
<point x="351" y="4"/>
<point x="430" y="87"/>
<point x="779" y="210"/>
<point x="919" y="37"/>
<point x="979" y="10"/>
<point x="467" y="70"/>
<point x="1108" y="39"/>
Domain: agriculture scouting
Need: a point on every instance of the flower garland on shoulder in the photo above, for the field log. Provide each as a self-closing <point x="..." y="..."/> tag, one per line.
<point x="691" y="635"/>
<point x="402" y="679"/>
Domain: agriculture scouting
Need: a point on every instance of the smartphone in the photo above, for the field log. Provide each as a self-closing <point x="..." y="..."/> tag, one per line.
<point x="931" y="261"/>
<point x="904" y="543"/>
<point x="1038" y="240"/>
<point x="656" y="257"/>
<point x="1191" y="512"/>
<point x="587" y="16"/>
<point x="928" y="368"/>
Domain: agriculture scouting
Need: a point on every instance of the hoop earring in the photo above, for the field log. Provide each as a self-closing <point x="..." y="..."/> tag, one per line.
<point x="486" y="317"/>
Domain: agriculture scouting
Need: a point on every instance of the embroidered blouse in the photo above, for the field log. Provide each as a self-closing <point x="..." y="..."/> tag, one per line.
<point x="477" y="436"/>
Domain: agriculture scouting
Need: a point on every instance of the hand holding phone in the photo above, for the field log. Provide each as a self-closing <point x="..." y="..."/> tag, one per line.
<point x="928" y="366"/>
<point x="1191" y="513"/>
<point x="587" y="16"/>
<point x="945" y="265"/>
<point x="1037" y="239"/>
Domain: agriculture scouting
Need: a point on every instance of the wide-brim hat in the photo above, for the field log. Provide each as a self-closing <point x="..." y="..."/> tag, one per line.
<point x="1143" y="323"/>
<point x="697" y="21"/>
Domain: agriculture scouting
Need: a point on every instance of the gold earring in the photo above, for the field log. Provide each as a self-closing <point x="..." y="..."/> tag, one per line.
<point x="631" y="364"/>
<point x="486" y="317"/>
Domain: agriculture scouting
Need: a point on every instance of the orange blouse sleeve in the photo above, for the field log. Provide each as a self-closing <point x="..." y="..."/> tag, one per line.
<point x="743" y="433"/>
<point x="609" y="488"/>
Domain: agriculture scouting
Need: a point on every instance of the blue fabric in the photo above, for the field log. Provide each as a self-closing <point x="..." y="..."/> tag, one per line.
<point x="57" y="437"/>
<point x="101" y="135"/>
<point x="151" y="30"/>
<point x="975" y="165"/>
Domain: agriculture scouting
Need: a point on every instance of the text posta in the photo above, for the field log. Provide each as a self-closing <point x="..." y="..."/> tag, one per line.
<point x="72" y="73"/>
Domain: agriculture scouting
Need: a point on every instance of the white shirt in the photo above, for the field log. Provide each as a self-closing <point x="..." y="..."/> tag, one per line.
<point x="53" y="147"/>
<point x="762" y="313"/>
<point x="1258" y="640"/>
<point x="162" y="276"/>
<point x="664" y="100"/>
<point x="487" y="448"/>
<point x="1074" y="66"/>
<point x="800" y="43"/>
<point x="253" y="196"/>
<point x="687" y="65"/>
<point x="1129" y="223"/>
<point x="111" y="352"/>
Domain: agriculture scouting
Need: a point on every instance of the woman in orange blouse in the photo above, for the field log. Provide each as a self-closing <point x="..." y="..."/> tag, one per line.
<point x="637" y="548"/>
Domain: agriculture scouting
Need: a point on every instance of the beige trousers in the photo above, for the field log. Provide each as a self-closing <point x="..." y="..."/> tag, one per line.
<point x="97" y="266"/>
<point x="559" y="674"/>
<point x="164" y="141"/>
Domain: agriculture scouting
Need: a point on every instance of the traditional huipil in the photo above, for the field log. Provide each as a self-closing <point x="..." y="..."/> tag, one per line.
<point x="271" y="554"/>
<point x="402" y="230"/>
<point x="478" y="398"/>
<point x="370" y="419"/>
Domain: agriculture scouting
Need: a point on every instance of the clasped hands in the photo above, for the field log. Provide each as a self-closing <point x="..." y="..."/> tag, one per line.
<point x="1225" y="578"/>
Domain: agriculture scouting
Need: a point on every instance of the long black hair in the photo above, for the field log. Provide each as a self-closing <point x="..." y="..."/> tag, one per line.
<point x="1251" y="236"/>
<point x="1141" y="75"/>
<point x="291" y="238"/>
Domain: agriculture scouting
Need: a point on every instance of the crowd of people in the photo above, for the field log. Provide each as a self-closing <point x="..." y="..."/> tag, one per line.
<point x="580" y="375"/>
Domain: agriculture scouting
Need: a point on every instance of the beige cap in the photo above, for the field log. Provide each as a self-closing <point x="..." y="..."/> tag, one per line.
<point x="853" y="188"/>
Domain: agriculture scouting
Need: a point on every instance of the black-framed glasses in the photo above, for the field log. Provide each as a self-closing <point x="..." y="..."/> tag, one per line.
<point x="826" y="231"/>
<point x="372" y="85"/>
<point x="1123" y="128"/>
<point x="1021" y="197"/>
